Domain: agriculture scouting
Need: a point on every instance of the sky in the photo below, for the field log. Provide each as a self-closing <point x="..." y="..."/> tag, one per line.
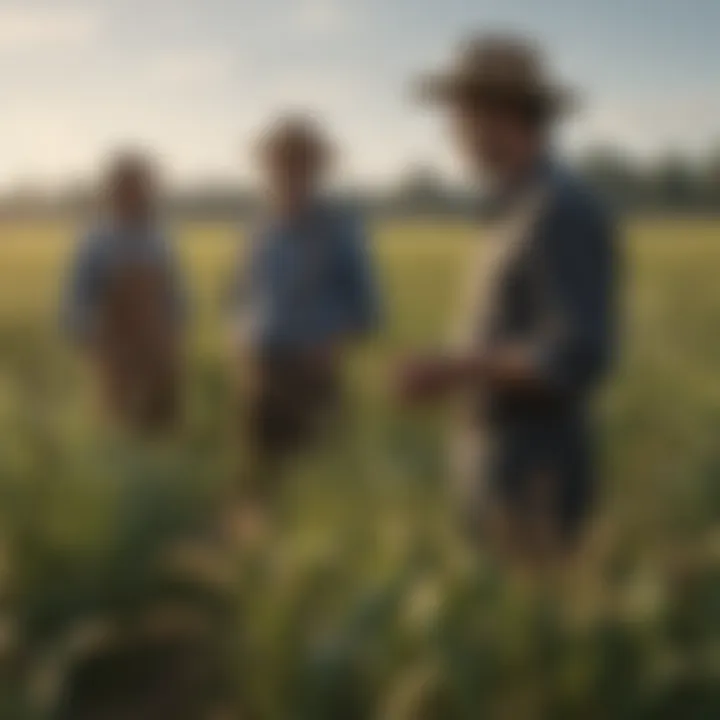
<point x="196" y="80"/>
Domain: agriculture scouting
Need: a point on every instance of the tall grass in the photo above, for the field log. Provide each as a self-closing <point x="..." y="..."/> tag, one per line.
<point x="366" y="603"/>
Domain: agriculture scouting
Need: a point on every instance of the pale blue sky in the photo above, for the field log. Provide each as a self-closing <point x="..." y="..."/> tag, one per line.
<point x="195" y="79"/>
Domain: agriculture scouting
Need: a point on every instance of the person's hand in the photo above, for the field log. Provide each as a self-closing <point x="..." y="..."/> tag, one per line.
<point x="426" y="378"/>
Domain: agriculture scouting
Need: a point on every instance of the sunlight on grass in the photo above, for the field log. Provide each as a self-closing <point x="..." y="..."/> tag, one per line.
<point x="367" y="604"/>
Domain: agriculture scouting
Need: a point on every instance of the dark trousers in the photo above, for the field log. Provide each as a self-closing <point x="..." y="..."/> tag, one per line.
<point x="141" y="391"/>
<point x="543" y="468"/>
<point x="292" y="404"/>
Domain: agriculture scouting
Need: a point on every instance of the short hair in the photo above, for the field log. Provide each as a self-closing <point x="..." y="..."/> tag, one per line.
<point x="296" y="137"/>
<point x="129" y="165"/>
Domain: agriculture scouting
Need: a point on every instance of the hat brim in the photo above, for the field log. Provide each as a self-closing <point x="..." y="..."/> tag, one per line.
<point x="450" y="89"/>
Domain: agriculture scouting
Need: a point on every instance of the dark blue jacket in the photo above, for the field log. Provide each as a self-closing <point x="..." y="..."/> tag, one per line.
<point x="557" y="295"/>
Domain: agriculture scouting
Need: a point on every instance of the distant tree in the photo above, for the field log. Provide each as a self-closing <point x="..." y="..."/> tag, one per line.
<point x="422" y="190"/>
<point x="711" y="180"/>
<point x="676" y="185"/>
<point x="613" y="173"/>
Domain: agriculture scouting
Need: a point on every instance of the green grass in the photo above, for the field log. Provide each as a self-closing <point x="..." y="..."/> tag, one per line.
<point x="367" y="604"/>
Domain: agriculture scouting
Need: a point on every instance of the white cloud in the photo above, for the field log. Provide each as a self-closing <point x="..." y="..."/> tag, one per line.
<point x="650" y="125"/>
<point x="323" y="17"/>
<point x="23" y="29"/>
<point x="309" y="91"/>
<point x="188" y="71"/>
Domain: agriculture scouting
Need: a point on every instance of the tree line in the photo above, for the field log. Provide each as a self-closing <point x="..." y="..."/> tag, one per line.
<point x="671" y="184"/>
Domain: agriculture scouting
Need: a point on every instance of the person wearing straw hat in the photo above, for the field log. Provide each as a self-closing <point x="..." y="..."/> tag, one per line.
<point x="305" y="293"/>
<point x="536" y="331"/>
<point x="125" y="300"/>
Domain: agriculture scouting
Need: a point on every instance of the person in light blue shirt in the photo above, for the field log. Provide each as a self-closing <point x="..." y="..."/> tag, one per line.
<point x="307" y="290"/>
<point x="124" y="302"/>
<point x="309" y="283"/>
<point x="102" y="250"/>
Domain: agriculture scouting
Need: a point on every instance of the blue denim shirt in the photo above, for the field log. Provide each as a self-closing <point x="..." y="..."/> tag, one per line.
<point x="100" y="252"/>
<point x="307" y="281"/>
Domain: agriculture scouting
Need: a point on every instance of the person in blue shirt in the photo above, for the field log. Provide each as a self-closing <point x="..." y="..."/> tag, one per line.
<point x="306" y="292"/>
<point x="124" y="305"/>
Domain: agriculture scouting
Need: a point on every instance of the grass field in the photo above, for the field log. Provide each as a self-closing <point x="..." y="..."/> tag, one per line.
<point x="366" y="604"/>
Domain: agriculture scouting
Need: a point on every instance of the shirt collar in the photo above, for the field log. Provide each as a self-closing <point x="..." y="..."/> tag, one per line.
<point x="498" y="203"/>
<point x="307" y="217"/>
<point x="135" y="234"/>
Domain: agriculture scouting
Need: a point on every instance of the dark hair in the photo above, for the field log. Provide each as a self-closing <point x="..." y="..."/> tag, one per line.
<point x="296" y="138"/>
<point x="129" y="165"/>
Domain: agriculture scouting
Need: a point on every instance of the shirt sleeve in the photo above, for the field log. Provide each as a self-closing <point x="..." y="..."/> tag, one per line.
<point x="244" y="294"/>
<point x="239" y="289"/>
<point x="180" y="297"/>
<point x="575" y="265"/>
<point x="362" y="294"/>
<point x="83" y="290"/>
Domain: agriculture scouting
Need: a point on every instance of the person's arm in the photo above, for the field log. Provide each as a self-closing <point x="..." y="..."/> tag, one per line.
<point x="362" y="304"/>
<point x="573" y="266"/>
<point x="82" y="291"/>
<point x="243" y="298"/>
<point x="179" y="294"/>
<point x="239" y="288"/>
